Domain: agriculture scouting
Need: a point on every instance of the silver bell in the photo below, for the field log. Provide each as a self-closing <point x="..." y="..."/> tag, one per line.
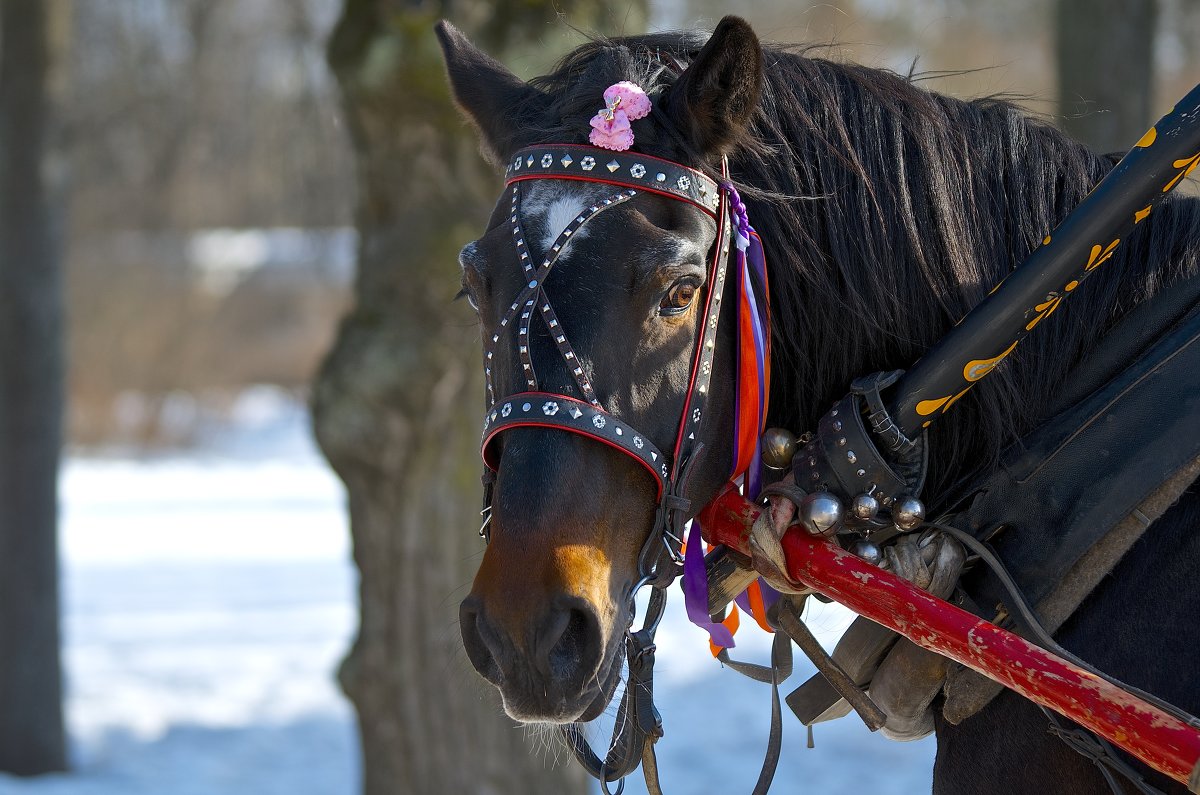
<point x="778" y="447"/>
<point x="868" y="552"/>
<point x="909" y="513"/>
<point x="821" y="513"/>
<point x="864" y="506"/>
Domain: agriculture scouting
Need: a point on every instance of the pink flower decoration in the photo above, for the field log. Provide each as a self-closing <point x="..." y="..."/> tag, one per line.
<point x="629" y="97"/>
<point x="611" y="133"/>
<point x="624" y="102"/>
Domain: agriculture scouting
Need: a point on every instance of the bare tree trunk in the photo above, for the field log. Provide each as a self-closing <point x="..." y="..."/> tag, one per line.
<point x="31" y="403"/>
<point x="1105" y="51"/>
<point x="397" y="403"/>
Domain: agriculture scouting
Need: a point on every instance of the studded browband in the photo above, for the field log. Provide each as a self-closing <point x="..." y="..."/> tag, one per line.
<point x="629" y="169"/>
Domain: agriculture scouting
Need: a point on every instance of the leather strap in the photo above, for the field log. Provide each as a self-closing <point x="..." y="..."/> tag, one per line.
<point x="550" y="410"/>
<point x="628" y="169"/>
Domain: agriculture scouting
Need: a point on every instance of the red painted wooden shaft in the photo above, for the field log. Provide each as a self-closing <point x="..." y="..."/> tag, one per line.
<point x="1153" y="736"/>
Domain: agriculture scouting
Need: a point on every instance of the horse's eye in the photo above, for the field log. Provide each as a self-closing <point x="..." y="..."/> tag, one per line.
<point x="678" y="298"/>
<point x="465" y="292"/>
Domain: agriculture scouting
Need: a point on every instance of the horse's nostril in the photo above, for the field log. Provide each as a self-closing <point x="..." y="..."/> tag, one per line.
<point x="574" y="655"/>
<point x="480" y="640"/>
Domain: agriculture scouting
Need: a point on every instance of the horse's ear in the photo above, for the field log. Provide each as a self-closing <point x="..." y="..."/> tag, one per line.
<point x="488" y="94"/>
<point x="714" y="98"/>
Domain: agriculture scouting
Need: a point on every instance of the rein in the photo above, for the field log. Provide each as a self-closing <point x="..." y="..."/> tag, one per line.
<point x="660" y="560"/>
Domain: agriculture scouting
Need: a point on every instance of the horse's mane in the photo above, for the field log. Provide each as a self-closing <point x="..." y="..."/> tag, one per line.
<point x="887" y="212"/>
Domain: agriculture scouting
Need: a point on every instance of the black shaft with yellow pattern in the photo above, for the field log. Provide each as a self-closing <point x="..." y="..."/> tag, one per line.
<point x="1083" y="242"/>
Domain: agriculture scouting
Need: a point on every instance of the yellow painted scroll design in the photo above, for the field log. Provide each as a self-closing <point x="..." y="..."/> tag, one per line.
<point x="1186" y="166"/>
<point x="1099" y="256"/>
<point x="1044" y="310"/>
<point x="978" y="368"/>
<point x="927" y="407"/>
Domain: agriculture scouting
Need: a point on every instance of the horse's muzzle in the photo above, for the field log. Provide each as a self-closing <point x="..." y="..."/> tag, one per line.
<point x="547" y="670"/>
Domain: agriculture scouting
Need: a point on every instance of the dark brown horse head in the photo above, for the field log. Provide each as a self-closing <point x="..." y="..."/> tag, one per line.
<point x="550" y="604"/>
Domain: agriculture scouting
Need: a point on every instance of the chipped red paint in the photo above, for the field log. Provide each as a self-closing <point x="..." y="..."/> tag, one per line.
<point x="1153" y="736"/>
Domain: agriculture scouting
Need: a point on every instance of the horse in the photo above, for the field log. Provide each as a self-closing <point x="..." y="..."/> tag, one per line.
<point x="887" y="211"/>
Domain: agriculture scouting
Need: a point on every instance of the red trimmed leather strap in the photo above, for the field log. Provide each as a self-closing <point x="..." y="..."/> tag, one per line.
<point x="548" y="410"/>
<point x="628" y="169"/>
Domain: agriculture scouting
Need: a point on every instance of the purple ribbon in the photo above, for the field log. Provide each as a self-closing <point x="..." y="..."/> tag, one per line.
<point x="751" y="265"/>
<point x="695" y="590"/>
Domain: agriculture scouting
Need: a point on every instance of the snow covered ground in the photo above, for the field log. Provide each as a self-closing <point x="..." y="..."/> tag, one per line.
<point x="209" y="596"/>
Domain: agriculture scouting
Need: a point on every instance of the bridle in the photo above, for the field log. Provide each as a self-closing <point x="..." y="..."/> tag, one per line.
<point x="660" y="560"/>
<point x="631" y="174"/>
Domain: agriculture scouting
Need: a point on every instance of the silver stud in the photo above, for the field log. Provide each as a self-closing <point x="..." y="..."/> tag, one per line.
<point x="660" y="177"/>
<point x="613" y="165"/>
<point x="684" y="182"/>
<point x="837" y="425"/>
<point x="547" y="160"/>
<point x="526" y="407"/>
<point x="566" y="160"/>
<point x="637" y="170"/>
<point x="851" y="457"/>
<point x="841" y="442"/>
<point x="588" y="163"/>
<point x="529" y="160"/>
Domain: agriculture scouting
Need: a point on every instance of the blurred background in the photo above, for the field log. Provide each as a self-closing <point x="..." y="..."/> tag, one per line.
<point x="216" y="214"/>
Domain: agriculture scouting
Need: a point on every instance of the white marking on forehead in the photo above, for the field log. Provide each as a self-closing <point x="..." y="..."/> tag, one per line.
<point x="550" y="205"/>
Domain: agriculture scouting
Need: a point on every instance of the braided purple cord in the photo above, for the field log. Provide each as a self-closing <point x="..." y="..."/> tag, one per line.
<point x="739" y="209"/>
